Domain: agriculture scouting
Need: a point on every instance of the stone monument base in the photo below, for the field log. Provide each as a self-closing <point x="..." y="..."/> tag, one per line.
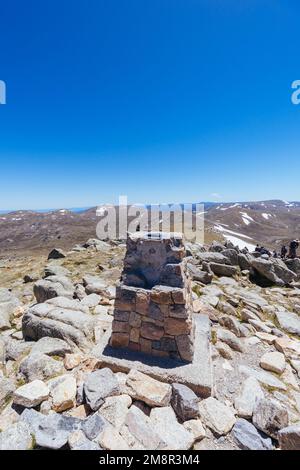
<point x="197" y="375"/>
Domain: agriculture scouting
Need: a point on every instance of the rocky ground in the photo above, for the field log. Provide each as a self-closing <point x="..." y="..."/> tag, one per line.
<point x="55" y="394"/>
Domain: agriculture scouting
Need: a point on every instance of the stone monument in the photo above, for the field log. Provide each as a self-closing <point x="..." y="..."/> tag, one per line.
<point x="153" y="306"/>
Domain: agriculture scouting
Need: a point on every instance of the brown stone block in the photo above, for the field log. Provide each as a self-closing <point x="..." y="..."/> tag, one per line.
<point x="119" y="340"/>
<point x="178" y="296"/>
<point x="146" y="345"/>
<point x="125" y="297"/>
<point x="121" y="304"/>
<point x="120" y="315"/>
<point x="178" y="311"/>
<point x="172" y="275"/>
<point x="175" y="326"/>
<point x="125" y="292"/>
<point x="164" y="308"/>
<point x="155" y="322"/>
<point x="135" y="320"/>
<point x="165" y="344"/>
<point x="142" y="302"/>
<point x="151" y="331"/>
<point x="120" y="327"/>
<point x="155" y="312"/>
<point x="134" y="346"/>
<point x="161" y="294"/>
<point x="134" y="335"/>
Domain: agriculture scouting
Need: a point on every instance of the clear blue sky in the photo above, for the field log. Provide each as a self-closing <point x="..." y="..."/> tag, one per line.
<point x="162" y="100"/>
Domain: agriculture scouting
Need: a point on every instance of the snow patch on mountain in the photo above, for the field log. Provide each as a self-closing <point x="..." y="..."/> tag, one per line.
<point x="246" y="218"/>
<point x="233" y="237"/>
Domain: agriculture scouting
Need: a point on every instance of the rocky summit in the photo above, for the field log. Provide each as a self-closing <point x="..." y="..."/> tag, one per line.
<point x="235" y="384"/>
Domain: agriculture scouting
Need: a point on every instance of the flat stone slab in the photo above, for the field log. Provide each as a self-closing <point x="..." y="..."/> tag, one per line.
<point x="196" y="375"/>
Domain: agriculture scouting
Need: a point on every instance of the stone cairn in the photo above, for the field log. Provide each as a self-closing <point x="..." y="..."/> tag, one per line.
<point x="153" y="311"/>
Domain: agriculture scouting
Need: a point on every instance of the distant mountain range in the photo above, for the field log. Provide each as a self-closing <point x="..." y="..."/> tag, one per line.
<point x="165" y="206"/>
<point x="269" y="223"/>
<point x="73" y="209"/>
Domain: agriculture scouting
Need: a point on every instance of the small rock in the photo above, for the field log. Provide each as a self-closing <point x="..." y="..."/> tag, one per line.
<point x="115" y="409"/>
<point x="55" y="270"/>
<point x="40" y="366"/>
<point x="166" y="425"/>
<point x="53" y="286"/>
<point x="247" y="315"/>
<point x="265" y="378"/>
<point x="31" y="395"/>
<point x="270" y="417"/>
<point x="99" y="385"/>
<point x="231" y="324"/>
<point x="17" y="335"/>
<point x="9" y="416"/>
<point x="288" y="347"/>
<point x="51" y="347"/>
<point x="249" y="394"/>
<point x="225" y="307"/>
<point x="8" y="304"/>
<point x="195" y="427"/>
<point x="30" y="277"/>
<point x="273" y="361"/>
<point x="93" y="426"/>
<point x="217" y="416"/>
<point x="142" y="387"/>
<point x="270" y="339"/>
<point x="296" y="366"/>
<point x="141" y="428"/>
<point x="249" y="438"/>
<point x="56" y="253"/>
<point x="16" y="437"/>
<point x="260" y="326"/>
<point x="50" y="431"/>
<point x="16" y="350"/>
<point x="78" y="441"/>
<point x="91" y="300"/>
<point x="252" y="341"/>
<point x="81" y="412"/>
<point x="110" y="439"/>
<point x="7" y="387"/>
<point x="231" y="339"/>
<point x="80" y="293"/>
<point x="289" y="378"/>
<point x="184" y="402"/>
<point x="289" y="322"/>
<point x="198" y="275"/>
<point x="95" y="285"/>
<point x="289" y="438"/>
<point x="224" y="350"/>
<point x="73" y="360"/>
<point x="63" y="393"/>
<point x="223" y="269"/>
<point x="46" y="407"/>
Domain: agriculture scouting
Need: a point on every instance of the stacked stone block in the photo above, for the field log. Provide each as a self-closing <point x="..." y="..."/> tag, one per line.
<point x="153" y="299"/>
